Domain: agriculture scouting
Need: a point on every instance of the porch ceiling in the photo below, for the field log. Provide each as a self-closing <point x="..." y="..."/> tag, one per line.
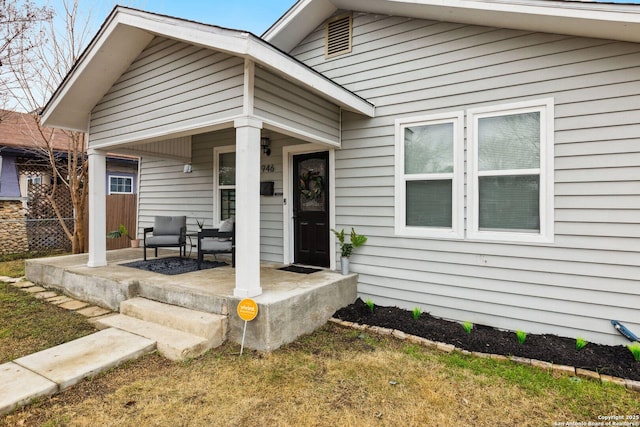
<point x="126" y="32"/>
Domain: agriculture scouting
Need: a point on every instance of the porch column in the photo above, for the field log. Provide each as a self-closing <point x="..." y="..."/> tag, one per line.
<point x="97" y="208"/>
<point x="247" y="207"/>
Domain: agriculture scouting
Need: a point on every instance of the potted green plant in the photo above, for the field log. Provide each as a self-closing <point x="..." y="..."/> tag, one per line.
<point x="346" y="249"/>
<point x="122" y="231"/>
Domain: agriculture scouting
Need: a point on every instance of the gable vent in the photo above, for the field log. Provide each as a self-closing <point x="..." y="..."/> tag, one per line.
<point x="338" y="35"/>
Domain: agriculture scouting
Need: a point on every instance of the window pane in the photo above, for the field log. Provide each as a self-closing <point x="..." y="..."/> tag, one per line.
<point x="428" y="149"/>
<point x="120" y="184"/>
<point x="509" y="142"/>
<point x="227" y="204"/>
<point x="429" y="203"/>
<point x="510" y="202"/>
<point x="227" y="169"/>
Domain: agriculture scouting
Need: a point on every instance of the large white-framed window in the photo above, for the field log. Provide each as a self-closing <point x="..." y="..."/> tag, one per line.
<point x="510" y="172"/>
<point x="429" y="176"/>
<point x="224" y="183"/>
<point x="120" y="184"/>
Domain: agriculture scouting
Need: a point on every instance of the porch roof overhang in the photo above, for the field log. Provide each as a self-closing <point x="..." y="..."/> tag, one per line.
<point x="125" y="34"/>
<point x="578" y="18"/>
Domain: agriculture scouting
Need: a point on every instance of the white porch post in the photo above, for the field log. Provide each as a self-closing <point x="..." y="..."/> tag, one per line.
<point x="247" y="207"/>
<point x="97" y="208"/>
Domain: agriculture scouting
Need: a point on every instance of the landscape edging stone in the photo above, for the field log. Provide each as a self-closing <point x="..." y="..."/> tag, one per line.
<point x="539" y="364"/>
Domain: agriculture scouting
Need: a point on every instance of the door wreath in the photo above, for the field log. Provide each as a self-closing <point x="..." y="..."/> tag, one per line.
<point x="311" y="185"/>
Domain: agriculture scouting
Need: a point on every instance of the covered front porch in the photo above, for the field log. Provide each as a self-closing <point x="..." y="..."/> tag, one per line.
<point x="178" y="94"/>
<point x="290" y="305"/>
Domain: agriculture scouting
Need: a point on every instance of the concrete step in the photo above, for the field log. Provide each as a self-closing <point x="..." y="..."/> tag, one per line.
<point x="172" y="343"/>
<point x="211" y="326"/>
<point x="62" y="366"/>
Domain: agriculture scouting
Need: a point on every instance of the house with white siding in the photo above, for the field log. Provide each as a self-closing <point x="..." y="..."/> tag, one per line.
<point x="489" y="149"/>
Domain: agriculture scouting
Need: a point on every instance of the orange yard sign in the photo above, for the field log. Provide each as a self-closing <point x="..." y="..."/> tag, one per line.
<point x="247" y="309"/>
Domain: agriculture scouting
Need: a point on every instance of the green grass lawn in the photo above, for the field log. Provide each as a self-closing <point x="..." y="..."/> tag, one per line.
<point x="28" y="325"/>
<point x="14" y="268"/>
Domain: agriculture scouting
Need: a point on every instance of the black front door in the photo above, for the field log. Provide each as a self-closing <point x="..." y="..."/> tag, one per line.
<point x="311" y="208"/>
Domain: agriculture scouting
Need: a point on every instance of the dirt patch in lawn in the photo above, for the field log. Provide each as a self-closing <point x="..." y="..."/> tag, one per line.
<point x="616" y="361"/>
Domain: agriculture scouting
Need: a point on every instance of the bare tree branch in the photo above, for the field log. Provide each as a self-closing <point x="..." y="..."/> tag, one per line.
<point x="19" y="34"/>
<point x="46" y="57"/>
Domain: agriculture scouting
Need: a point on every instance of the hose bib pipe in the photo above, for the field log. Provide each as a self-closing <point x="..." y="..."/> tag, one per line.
<point x="624" y="331"/>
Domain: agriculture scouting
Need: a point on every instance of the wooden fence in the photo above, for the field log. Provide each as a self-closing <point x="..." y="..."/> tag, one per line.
<point x="121" y="209"/>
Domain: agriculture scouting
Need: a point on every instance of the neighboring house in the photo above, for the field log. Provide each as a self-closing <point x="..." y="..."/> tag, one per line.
<point x="490" y="150"/>
<point x="26" y="220"/>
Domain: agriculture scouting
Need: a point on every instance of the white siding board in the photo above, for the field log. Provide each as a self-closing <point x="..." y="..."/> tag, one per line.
<point x="606" y="91"/>
<point x="409" y="68"/>
<point x="377" y="181"/>
<point x="629" y="188"/>
<point x="360" y="211"/>
<point x="281" y="102"/>
<point x="364" y="172"/>
<point x="618" y="160"/>
<point x="169" y="86"/>
<point x="598" y="229"/>
<point x="366" y="192"/>
<point x="154" y="97"/>
<point x="604" y="215"/>
<point x="598" y="175"/>
<point x="600" y="106"/>
<point x="597" y="147"/>
<point x="598" y="134"/>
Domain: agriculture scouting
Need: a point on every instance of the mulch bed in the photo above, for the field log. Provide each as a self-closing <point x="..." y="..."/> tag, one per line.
<point x="173" y="265"/>
<point x="616" y="361"/>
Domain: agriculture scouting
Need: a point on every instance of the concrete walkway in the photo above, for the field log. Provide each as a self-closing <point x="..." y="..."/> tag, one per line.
<point x="50" y="371"/>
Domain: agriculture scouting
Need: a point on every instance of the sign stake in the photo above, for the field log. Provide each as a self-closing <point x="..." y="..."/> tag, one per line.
<point x="247" y="311"/>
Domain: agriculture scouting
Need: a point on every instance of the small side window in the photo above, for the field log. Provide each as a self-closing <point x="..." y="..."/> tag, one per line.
<point x="120" y="185"/>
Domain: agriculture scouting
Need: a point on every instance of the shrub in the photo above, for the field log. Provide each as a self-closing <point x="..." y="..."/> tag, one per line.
<point x="467" y="326"/>
<point x="635" y="350"/>
<point x="522" y="336"/>
<point x="580" y="343"/>
<point x="370" y="304"/>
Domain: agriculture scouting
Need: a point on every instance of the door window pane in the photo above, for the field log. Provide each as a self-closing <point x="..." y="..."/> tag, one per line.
<point x="428" y="149"/>
<point x="311" y="181"/>
<point x="509" y="142"/>
<point x="509" y="202"/>
<point x="429" y="203"/>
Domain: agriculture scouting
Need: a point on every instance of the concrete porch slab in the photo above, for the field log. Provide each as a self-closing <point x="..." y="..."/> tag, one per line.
<point x="290" y="306"/>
